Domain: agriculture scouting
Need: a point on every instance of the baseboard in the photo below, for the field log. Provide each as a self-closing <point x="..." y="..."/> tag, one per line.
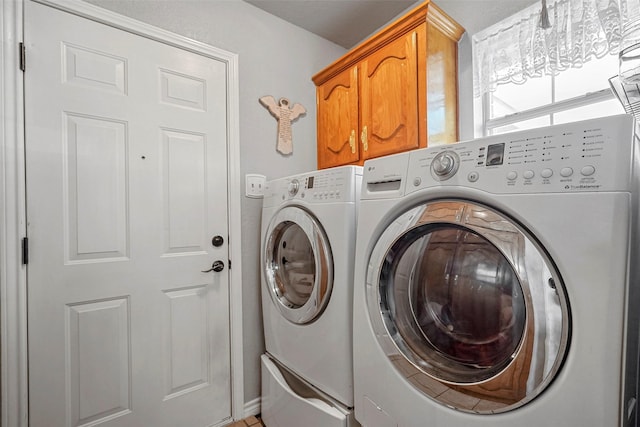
<point x="252" y="408"/>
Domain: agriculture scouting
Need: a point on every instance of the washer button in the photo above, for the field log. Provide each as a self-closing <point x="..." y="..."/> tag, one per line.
<point x="417" y="181"/>
<point x="546" y="173"/>
<point x="528" y="174"/>
<point x="588" y="170"/>
<point x="566" y="172"/>
<point x="473" y="176"/>
<point x="512" y="175"/>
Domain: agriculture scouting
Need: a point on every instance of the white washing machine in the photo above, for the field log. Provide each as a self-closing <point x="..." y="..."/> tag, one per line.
<point x="496" y="282"/>
<point x="308" y="245"/>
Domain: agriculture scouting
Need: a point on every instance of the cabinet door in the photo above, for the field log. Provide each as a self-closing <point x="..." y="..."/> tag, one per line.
<point x="337" y="108"/>
<point x="389" y="98"/>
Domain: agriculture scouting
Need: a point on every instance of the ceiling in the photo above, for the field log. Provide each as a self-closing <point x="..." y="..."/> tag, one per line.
<point x="347" y="22"/>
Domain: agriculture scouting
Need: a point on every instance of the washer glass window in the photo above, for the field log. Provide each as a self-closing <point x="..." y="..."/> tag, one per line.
<point x="298" y="265"/>
<point x="460" y="304"/>
<point x="463" y="299"/>
<point x="294" y="264"/>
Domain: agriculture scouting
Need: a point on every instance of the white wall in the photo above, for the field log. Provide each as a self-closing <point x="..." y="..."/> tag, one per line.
<point x="466" y="107"/>
<point x="275" y="58"/>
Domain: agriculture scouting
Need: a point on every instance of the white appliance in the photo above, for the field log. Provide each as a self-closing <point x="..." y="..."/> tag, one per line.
<point x="308" y="244"/>
<point x="496" y="282"/>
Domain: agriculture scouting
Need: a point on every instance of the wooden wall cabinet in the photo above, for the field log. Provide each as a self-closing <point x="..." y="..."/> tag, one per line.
<point x="392" y="93"/>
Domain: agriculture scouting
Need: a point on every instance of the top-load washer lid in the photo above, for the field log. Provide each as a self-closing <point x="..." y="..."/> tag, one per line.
<point x="467" y="306"/>
<point x="298" y="264"/>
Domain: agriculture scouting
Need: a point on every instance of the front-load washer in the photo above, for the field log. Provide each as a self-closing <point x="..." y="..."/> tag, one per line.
<point x="308" y="245"/>
<point x="496" y="281"/>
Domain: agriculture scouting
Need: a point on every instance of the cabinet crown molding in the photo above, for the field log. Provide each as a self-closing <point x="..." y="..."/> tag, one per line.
<point x="425" y="12"/>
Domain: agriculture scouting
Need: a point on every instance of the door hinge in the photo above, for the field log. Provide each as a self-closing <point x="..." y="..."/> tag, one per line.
<point x="229" y="264"/>
<point x="23" y="56"/>
<point x="25" y="251"/>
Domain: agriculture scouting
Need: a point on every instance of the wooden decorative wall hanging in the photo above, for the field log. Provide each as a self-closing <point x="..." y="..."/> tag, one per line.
<point x="285" y="115"/>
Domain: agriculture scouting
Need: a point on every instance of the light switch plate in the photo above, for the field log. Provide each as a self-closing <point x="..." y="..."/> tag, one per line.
<point x="254" y="185"/>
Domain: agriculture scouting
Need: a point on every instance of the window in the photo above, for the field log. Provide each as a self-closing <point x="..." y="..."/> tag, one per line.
<point x="526" y="76"/>
<point x="574" y="94"/>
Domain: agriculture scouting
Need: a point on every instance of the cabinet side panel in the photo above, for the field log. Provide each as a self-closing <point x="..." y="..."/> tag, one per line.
<point x="422" y="84"/>
<point x="442" y="88"/>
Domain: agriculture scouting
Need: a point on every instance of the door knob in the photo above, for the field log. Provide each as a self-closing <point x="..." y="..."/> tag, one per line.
<point x="217" y="241"/>
<point x="217" y="266"/>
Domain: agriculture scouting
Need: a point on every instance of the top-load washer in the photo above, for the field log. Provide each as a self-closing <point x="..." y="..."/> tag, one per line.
<point x="308" y="245"/>
<point x="496" y="281"/>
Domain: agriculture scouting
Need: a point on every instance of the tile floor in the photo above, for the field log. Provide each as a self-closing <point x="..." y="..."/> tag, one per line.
<point x="248" y="422"/>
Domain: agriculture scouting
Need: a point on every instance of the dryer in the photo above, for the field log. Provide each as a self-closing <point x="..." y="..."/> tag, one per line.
<point x="496" y="281"/>
<point x="308" y="245"/>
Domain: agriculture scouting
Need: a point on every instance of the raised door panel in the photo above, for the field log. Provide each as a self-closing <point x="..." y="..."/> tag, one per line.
<point x="338" y="120"/>
<point x="99" y="373"/>
<point x="389" y="98"/>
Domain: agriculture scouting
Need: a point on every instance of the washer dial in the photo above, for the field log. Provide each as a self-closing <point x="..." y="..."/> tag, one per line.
<point x="293" y="187"/>
<point x="445" y="165"/>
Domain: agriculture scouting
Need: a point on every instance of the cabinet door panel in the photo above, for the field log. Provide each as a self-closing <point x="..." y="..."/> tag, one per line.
<point x="389" y="98"/>
<point x="337" y="101"/>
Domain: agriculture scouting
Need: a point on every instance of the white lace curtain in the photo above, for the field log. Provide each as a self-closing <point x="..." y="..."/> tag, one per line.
<point x="517" y="48"/>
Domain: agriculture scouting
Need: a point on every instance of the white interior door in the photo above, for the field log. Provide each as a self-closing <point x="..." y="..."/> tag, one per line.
<point x="126" y="186"/>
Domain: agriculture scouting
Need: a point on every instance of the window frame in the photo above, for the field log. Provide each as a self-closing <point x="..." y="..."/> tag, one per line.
<point x="490" y="124"/>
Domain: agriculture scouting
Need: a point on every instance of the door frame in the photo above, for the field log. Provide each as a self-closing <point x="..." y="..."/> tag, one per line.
<point x="13" y="274"/>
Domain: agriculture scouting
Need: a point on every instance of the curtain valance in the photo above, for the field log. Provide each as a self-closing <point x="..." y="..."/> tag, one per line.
<point x="517" y="48"/>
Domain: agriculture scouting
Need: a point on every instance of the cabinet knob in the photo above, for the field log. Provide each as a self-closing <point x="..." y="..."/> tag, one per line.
<point x="364" y="139"/>
<point x="352" y="141"/>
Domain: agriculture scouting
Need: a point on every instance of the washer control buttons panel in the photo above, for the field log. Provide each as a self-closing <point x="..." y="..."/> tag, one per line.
<point x="592" y="155"/>
<point x="548" y="173"/>
<point x="320" y="186"/>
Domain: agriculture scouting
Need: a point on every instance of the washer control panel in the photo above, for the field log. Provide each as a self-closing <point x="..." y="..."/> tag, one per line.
<point x="593" y="155"/>
<point x="323" y="186"/>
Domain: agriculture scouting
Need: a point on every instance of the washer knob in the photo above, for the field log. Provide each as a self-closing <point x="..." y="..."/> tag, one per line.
<point x="444" y="165"/>
<point x="293" y="187"/>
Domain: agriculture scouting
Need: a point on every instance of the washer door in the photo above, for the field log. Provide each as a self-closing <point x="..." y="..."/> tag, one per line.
<point x="298" y="265"/>
<point x="467" y="306"/>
